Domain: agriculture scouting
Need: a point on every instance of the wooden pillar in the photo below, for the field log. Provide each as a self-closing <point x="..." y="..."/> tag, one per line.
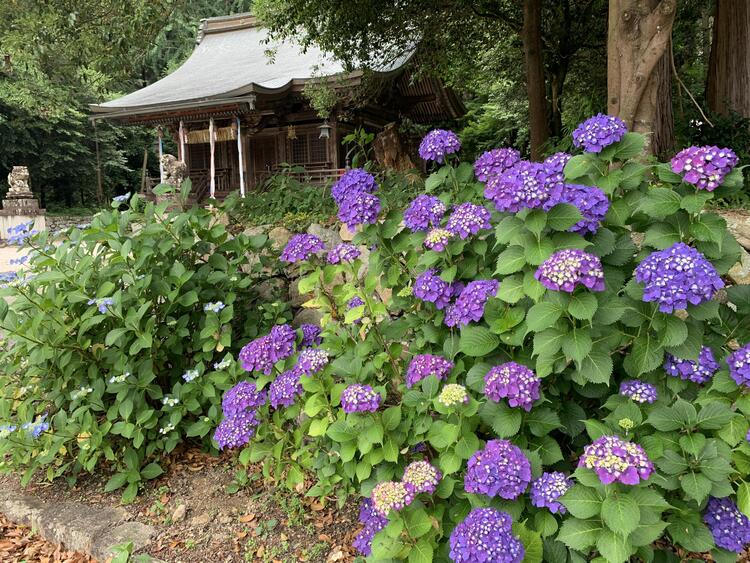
<point x="240" y="157"/>
<point x="212" y="141"/>
<point x="181" y="135"/>
<point x="161" y="153"/>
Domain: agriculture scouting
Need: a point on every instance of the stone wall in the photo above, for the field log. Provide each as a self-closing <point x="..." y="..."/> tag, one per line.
<point x="61" y="222"/>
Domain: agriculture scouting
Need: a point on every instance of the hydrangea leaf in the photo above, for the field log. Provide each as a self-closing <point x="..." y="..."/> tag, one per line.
<point x="696" y="486"/>
<point x="477" y="341"/>
<point x="580" y="534"/>
<point x="582" y="502"/>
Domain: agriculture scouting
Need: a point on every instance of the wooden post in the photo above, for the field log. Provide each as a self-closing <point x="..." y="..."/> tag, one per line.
<point x="181" y="133"/>
<point x="143" y="171"/>
<point x="161" y="154"/>
<point x="99" y="186"/>
<point x="212" y="141"/>
<point x="241" y="159"/>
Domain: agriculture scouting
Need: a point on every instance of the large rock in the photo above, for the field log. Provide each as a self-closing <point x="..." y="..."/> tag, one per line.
<point x="297" y="299"/>
<point x="738" y="223"/>
<point x="307" y="316"/>
<point x="273" y="288"/>
<point x="330" y="237"/>
<point x="279" y="237"/>
<point x="740" y="272"/>
<point x="345" y="234"/>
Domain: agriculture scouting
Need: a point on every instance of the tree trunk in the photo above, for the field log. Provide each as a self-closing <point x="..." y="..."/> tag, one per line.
<point x="535" y="86"/>
<point x="638" y="69"/>
<point x="728" y="84"/>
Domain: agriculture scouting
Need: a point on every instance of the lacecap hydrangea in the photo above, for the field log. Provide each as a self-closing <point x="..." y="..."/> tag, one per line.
<point x="500" y="469"/>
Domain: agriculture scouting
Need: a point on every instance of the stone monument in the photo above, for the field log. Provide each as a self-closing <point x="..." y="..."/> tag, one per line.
<point x="20" y="205"/>
<point x="175" y="171"/>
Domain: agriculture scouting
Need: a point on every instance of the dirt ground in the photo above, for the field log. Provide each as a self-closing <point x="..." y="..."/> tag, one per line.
<point x="258" y="523"/>
<point x="20" y="544"/>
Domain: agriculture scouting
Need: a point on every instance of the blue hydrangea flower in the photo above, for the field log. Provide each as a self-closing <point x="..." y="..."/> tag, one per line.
<point x="468" y="219"/>
<point x="437" y="144"/>
<point x="494" y="162"/>
<point x="359" y="208"/>
<point x="312" y="360"/>
<point x="262" y="353"/>
<point x="500" y="469"/>
<point x="301" y="247"/>
<point x="485" y="536"/>
<point x="677" y="276"/>
<point x="568" y="268"/>
<point x="424" y="211"/>
<point x="614" y="459"/>
<point x="704" y="167"/>
<point x="425" y="365"/>
<point x="548" y="488"/>
<point x="729" y="527"/>
<point x="19" y="234"/>
<point x="372" y="524"/>
<point x="214" y="307"/>
<point x="353" y="181"/>
<point x="522" y="186"/>
<point x="343" y="253"/>
<point x="190" y="375"/>
<point x="739" y="365"/>
<point x="592" y="202"/>
<point x="598" y="132"/>
<point x="638" y="391"/>
<point x="360" y="398"/>
<point x="429" y="287"/>
<point x="699" y="371"/>
<point x="121" y="198"/>
<point x="469" y="306"/>
<point x="285" y="389"/>
<point x="310" y="335"/>
<point x="237" y="429"/>
<point x="514" y="382"/>
<point x="103" y="304"/>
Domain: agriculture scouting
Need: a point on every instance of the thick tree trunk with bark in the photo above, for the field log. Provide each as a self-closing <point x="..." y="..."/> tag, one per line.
<point x="638" y="68"/>
<point x="535" y="86"/>
<point x="728" y="85"/>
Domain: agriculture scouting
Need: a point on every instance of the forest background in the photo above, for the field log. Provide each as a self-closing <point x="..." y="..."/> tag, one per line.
<point x="527" y="70"/>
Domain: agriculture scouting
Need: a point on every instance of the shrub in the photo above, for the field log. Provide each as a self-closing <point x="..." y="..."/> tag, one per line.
<point x="119" y="339"/>
<point x="585" y="396"/>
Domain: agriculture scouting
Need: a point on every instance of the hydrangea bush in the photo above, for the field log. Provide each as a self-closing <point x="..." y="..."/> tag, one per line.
<point x="120" y="340"/>
<point x="544" y="361"/>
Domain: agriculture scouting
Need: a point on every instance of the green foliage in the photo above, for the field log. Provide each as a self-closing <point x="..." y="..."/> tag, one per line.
<point x="582" y="344"/>
<point x="108" y="375"/>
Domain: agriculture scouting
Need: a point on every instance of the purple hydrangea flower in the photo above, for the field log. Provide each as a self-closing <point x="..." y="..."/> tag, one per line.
<point x="424" y="211"/>
<point x="524" y="185"/>
<point x="354" y="302"/>
<point x="699" y="371"/>
<point x="468" y="219"/>
<point x="360" y="398"/>
<point x="262" y="353"/>
<point x="438" y="239"/>
<point x="236" y="429"/>
<point x="556" y="162"/>
<point x="729" y="527"/>
<point x="739" y="365"/>
<point x="244" y="396"/>
<point x="514" y="382"/>
<point x="704" y="167"/>
<point x="310" y="335"/>
<point x="638" y="391"/>
<point x="285" y="389"/>
<point x="359" y="208"/>
<point x="372" y="524"/>
<point x="614" y="459"/>
<point x="429" y="287"/>
<point x="570" y="267"/>
<point x="592" y="202"/>
<point x="353" y="181"/>
<point x="469" y="306"/>
<point x="343" y="253"/>
<point x="391" y="495"/>
<point x="495" y="162"/>
<point x="312" y="360"/>
<point x="598" y="132"/>
<point x="485" y="536"/>
<point x="546" y="491"/>
<point x="677" y="276"/>
<point x="301" y="247"/>
<point x="422" y="476"/>
<point x="500" y="469"/>
<point x="425" y="365"/>
<point x="437" y="144"/>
